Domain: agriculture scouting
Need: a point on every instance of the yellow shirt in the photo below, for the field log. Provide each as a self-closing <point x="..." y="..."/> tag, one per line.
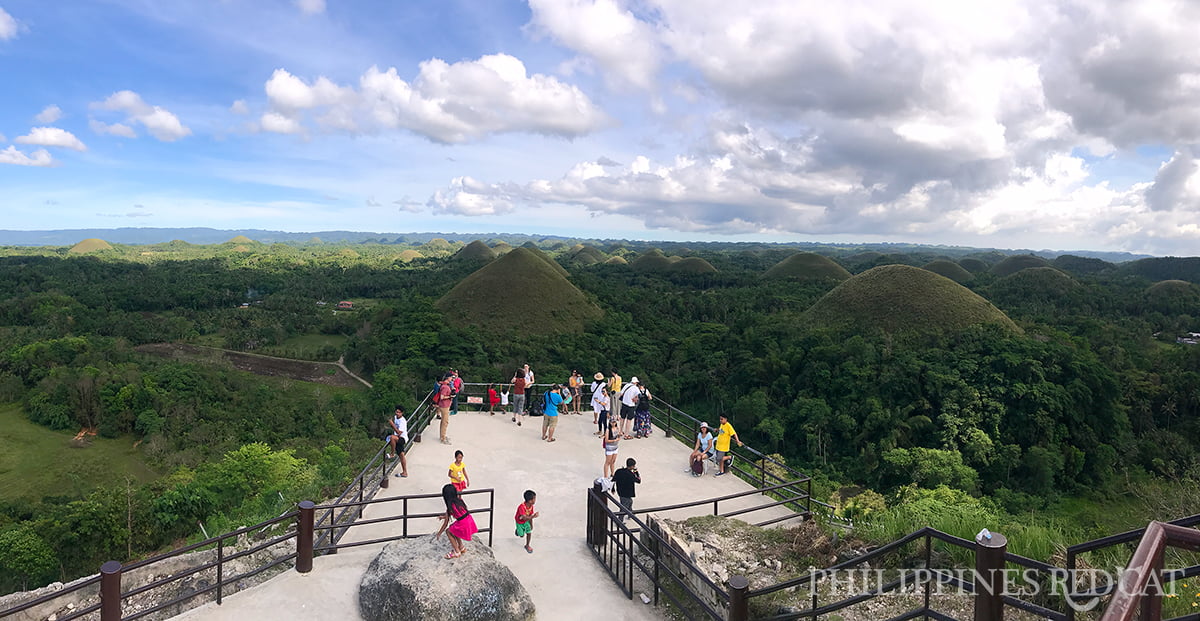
<point x="614" y="384"/>
<point x="724" y="436"/>
<point x="456" y="471"/>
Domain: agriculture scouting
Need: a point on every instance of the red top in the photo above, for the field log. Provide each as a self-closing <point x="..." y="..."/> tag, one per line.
<point x="522" y="513"/>
<point x="519" y="386"/>
<point x="493" y="398"/>
<point x="444" y="398"/>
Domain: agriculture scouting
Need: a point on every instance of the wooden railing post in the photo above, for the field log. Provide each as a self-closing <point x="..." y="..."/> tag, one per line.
<point x="739" y="602"/>
<point x="989" y="576"/>
<point x="110" y="591"/>
<point x="667" y="429"/>
<point x="304" y="537"/>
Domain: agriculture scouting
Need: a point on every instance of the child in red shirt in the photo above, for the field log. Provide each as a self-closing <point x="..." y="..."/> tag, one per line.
<point x="524" y="517"/>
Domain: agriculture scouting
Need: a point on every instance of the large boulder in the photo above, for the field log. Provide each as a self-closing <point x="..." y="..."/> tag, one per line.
<point x="412" y="579"/>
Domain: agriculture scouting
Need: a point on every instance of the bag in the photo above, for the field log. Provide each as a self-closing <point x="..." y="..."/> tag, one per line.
<point x="698" y="467"/>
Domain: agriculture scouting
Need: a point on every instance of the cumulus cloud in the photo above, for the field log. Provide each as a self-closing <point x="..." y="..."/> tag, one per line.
<point x="239" y="107"/>
<point x="624" y="46"/>
<point x="113" y="129"/>
<point x="279" y="124"/>
<point x="49" y="114"/>
<point x="40" y="157"/>
<point x="311" y="7"/>
<point x="8" y="26"/>
<point x="447" y="103"/>
<point x="51" y="137"/>
<point x="1177" y="184"/>
<point x="409" y="205"/>
<point x="161" y="123"/>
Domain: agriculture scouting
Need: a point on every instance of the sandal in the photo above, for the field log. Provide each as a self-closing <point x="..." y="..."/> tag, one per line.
<point x="450" y="555"/>
<point x="529" y="549"/>
<point x="550" y="440"/>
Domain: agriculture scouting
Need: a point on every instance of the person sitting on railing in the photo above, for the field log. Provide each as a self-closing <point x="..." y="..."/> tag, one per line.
<point x="398" y="440"/>
<point x="725" y="434"/>
<point x="702" y="451"/>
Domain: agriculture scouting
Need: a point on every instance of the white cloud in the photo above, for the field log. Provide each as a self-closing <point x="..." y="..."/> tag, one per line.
<point x="279" y="124"/>
<point x="49" y="114"/>
<point x="161" y="123"/>
<point x="40" y="157"/>
<point x="239" y="107"/>
<point x="2" y="138"/>
<point x="51" y="137"/>
<point x="8" y="26"/>
<point x="311" y="7"/>
<point x="449" y="103"/>
<point x="114" y="129"/>
<point x="604" y="30"/>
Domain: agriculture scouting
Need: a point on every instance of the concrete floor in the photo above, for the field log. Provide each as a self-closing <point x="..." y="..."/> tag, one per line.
<point x="563" y="578"/>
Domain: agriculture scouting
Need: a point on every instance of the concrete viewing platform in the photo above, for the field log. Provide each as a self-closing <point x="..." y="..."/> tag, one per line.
<point x="562" y="577"/>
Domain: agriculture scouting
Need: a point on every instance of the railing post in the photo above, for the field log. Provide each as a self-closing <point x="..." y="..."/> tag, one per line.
<point x="220" y="568"/>
<point x="304" y="537"/>
<point x="491" y="515"/>
<point x="362" y="488"/>
<point x="667" y="430"/>
<point x="596" y="517"/>
<point x="989" y="576"/>
<point x="110" y="591"/>
<point x="383" y="478"/>
<point x="739" y="602"/>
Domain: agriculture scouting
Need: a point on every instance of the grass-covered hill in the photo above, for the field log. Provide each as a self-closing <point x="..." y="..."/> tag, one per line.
<point x="1173" y="297"/>
<point x="475" y="252"/>
<point x="901" y="299"/>
<point x="586" y="255"/>
<point x="807" y="266"/>
<point x="547" y="303"/>
<point x="949" y="269"/>
<point x="1167" y="268"/>
<point x="691" y="265"/>
<point x="539" y="253"/>
<point x="1080" y="266"/>
<point x="1012" y="265"/>
<point x="502" y="248"/>
<point x="652" y="260"/>
<point x="90" y="245"/>
<point x="616" y="261"/>
<point x="973" y="265"/>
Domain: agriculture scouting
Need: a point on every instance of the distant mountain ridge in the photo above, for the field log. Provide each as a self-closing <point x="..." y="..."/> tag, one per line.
<point x="204" y="235"/>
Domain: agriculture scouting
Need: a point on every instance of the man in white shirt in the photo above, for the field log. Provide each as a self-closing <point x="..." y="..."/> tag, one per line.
<point x="629" y="399"/>
<point x="399" y="440"/>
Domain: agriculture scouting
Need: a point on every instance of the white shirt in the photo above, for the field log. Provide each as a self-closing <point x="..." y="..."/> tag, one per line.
<point x="401" y="423"/>
<point x="630" y="397"/>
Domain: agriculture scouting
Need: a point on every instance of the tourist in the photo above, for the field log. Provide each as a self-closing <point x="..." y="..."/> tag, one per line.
<point x="573" y="386"/>
<point x="624" y="480"/>
<point x="444" y="398"/>
<point x="600" y="403"/>
<point x="493" y="399"/>
<point x="463" y="527"/>
<point x="518" y="382"/>
<point x="525" y="516"/>
<point x="641" y="412"/>
<point x="614" y="385"/>
<point x="550" y="403"/>
<point x="398" y="439"/>
<point x="456" y="385"/>
<point x="702" y="451"/>
<point x="530" y="392"/>
<point x="628" y="399"/>
<point x="610" y="440"/>
<point x="458" y="473"/>
<point x="504" y="399"/>
<point x="725" y="434"/>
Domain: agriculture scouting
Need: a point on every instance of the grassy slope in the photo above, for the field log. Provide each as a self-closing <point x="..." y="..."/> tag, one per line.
<point x="36" y="461"/>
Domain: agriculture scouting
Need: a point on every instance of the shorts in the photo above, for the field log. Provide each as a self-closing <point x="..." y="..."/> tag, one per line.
<point x="524" y="529"/>
<point x="549" y="422"/>
<point x="627" y="412"/>
<point x="721" y="457"/>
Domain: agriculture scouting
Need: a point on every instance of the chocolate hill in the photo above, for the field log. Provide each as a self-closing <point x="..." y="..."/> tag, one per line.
<point x="807" y="266"/>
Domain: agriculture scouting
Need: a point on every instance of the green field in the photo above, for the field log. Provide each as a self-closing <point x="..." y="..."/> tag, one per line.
<point x="37" y="462"/>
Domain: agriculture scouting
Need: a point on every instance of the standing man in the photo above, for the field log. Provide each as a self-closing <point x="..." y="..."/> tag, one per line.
<point x="725" y="434"/>
<point x="399" y="440"/>
<point x="445" y="397"/>
<point x="554" y="399"/>
<point x="629" y="401"/>
<point x="456" y="384"/>
<point x="625" y="479"/>
<point x="518" y="382"/>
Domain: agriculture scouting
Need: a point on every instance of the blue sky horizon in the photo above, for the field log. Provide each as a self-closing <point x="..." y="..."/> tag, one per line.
<point x="1065" y="125"/>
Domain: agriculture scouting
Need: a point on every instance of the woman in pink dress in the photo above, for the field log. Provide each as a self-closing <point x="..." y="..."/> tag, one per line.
<point x="464" y="525"/>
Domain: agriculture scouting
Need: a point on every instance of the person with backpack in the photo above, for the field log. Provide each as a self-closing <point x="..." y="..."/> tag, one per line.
<point x="641" y="412"/>
<point x="551" y="400"/>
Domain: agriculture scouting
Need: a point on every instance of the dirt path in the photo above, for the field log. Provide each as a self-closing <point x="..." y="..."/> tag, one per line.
<point x="328" y="373"/>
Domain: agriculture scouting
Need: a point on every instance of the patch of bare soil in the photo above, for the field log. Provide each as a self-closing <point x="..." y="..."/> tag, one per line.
<point x="326" y="373"/>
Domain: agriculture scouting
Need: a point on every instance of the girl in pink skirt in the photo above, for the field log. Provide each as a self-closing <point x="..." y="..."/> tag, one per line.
<point x="462" y="528"/>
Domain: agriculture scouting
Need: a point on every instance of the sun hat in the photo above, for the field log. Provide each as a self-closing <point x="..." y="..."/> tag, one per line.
<point x="704" y="425"/>
<point x="634" y="380"/>
<point x="598" y="375"/>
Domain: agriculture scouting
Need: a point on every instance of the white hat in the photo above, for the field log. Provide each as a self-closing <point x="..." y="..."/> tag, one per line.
<point x="633" y="380"/>
<point x="705" y="425"/>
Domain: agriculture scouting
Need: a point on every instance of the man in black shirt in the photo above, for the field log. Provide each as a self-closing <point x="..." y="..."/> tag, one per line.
<point x="624" y="479"/>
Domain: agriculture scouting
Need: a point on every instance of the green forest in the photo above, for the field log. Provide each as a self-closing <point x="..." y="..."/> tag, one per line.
<point x="915" y="383"/>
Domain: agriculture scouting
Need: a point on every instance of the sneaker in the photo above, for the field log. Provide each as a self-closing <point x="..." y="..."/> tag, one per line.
<point x="718" y="474"/>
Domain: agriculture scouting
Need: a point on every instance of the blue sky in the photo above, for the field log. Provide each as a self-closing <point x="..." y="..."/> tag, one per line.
<point x="1063" y="124"/>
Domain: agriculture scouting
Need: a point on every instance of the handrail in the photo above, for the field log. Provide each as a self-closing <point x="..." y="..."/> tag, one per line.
<point x="1146" y="564"/>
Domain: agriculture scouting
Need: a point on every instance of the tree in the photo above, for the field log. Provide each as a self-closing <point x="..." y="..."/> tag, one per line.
<point x="25" y="557"/>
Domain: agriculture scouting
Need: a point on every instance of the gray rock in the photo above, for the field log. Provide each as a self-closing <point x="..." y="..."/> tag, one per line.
<point x="411" y="580"/>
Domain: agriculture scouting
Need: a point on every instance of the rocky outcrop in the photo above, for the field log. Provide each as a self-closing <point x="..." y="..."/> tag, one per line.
<point x="411" y="579"/>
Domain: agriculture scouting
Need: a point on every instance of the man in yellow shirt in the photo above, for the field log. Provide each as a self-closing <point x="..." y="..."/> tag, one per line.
<point x="725" y="434"/>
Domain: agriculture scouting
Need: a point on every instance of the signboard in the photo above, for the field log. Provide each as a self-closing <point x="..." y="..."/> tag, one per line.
<point x="475" y="400"/>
